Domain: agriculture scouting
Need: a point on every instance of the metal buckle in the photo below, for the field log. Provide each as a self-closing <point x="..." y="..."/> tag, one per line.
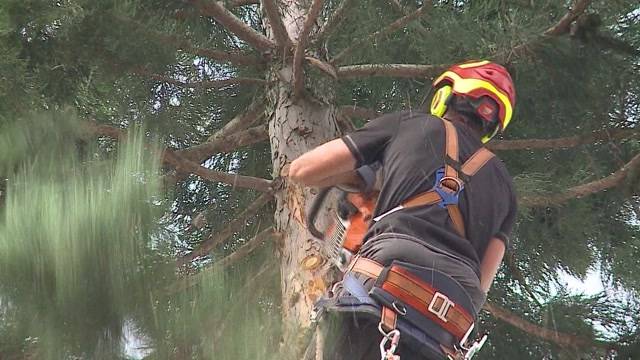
<point x="475" y="347"/>
<point x="442" y="311"/>
<point x="458" y="182"/>
<point x="464" y="339"/>
<point x="449" y="196"/>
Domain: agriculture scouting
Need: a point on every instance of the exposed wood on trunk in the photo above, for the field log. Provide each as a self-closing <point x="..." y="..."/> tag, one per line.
<point x="325" y="67"/>
<point x="205" y="84"/>
<point x="390" y="70"/>
<point x="227" y="19"/>
<point x="334" y="21"/>
<point x="296" y="127"/>
<point x="277" y="26"/>
<point x="561" y="339"/>
<point x="565" y="142"/>
<point x="180" y="164"/>
<point x="303" y="39"/>
<point x="579" y="191"/>
<point x="562" y="27"/>
<point x="218" y="237"/>
<point x="394" y="26"/>
<point x="201" y="152"/>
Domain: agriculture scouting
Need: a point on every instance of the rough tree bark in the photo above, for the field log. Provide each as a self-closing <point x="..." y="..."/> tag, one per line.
<point x="296" y="125"/>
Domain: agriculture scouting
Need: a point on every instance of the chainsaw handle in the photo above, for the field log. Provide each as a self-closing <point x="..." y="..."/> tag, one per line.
<point x="314" y="210"/>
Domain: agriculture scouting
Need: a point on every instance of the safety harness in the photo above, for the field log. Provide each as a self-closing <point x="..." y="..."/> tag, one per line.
<point x="430" y="307"/>
<point x="450" y="180"/>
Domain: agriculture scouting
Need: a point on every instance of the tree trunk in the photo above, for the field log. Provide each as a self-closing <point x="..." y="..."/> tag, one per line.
<point x="297" y="125"/>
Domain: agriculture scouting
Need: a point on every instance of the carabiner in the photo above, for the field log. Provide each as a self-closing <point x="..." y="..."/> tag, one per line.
<point x="394" y="337"/>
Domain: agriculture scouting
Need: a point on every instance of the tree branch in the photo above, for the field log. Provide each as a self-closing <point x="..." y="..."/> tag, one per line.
<point x="227" y="19"/>
<point x="611" y="43"/>
<point x="558" y="338"/>
<point x="325" y="67"/>
<point x="217" y="238"/>
<point x="334" y="21"/>
<point x="253" y="114"/>
<point x="247" y="248"/>
<point x="396" y="5"/>
<point x="510" y="261"/>
<point x="232" y="57"/>
<point x="223" y="140"/>
<point x="200" y="153"/>
<point x="566" y="142"/>
<point x="303" y="39"/>
<point x="185" y="45"/>
<point x="237" y="181"/>
<point x="236" y="3"/>
<point x="357" y="111"/>
<point x="387" y="30"/>
<point x="180" y="164"/>
<point x="562" y="27"/>
<point x="207" y="84"/>
<point x="275" y="19"/>
<point x="390" y="70"/>
<point x="579" y="191"/>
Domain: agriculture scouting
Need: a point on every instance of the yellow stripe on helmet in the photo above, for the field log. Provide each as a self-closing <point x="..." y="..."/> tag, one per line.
<point x="465" y="86"/>
<point x="473" y="64"/>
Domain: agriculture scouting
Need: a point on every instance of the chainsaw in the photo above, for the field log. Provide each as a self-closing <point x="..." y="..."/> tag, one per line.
<point x="343" y="236"/>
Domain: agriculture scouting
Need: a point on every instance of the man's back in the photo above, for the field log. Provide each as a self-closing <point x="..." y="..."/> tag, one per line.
<point x="411" y="148"/>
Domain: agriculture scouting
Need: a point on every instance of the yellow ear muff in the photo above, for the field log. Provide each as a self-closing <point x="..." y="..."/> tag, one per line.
<point x="440" y="99"/>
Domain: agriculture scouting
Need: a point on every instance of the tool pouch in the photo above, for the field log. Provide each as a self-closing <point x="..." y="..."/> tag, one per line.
<point x="425" y="322"/>
<point x="422" y="334"/>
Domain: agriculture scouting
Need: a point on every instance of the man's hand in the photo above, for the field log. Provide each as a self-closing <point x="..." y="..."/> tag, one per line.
<point x="329" y="164"/>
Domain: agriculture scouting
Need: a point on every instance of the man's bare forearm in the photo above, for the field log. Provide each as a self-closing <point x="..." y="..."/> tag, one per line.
<point x="349" y="179"/>
<point x="322" y="164"/>
<point x="490" y="263"/>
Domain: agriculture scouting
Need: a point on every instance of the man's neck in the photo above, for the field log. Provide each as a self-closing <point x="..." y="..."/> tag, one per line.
<point x="459" y="118"/>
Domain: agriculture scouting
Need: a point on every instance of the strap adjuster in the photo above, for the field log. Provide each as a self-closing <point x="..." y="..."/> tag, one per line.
<point x="443" y="309"/>
<point x="449" y="196"/>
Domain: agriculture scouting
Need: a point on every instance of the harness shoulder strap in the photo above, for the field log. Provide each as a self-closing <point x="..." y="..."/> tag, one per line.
<point x="450" y="180"/>
<point x="451" y="148"/>
<point x="477" y="161"/>
<point x="448" y="184"/>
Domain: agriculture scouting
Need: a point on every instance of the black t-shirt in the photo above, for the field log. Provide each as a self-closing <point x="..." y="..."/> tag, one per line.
<point x="411" y="147"/>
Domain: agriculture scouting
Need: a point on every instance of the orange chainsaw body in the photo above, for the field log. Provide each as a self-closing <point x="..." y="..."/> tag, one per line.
<point x="359" y="221"/>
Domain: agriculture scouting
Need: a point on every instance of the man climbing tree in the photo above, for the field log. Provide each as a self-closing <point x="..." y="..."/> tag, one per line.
<point x="444" y="213"/>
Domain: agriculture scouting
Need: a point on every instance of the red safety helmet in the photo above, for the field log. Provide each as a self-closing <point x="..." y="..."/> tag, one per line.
<point x="475" y="81"/>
